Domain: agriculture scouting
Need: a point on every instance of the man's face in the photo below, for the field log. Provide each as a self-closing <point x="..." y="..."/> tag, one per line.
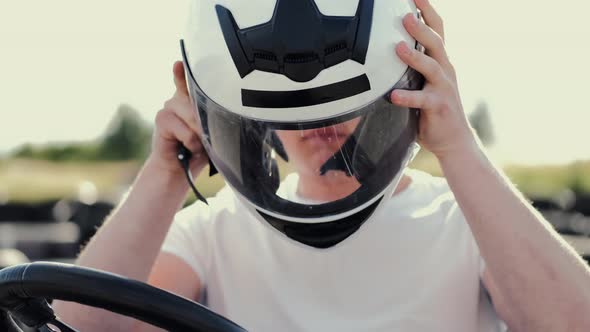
<point x="309" y="149"/>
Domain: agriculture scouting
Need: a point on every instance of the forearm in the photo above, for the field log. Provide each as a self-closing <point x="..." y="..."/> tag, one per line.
<point x="129" y="241"/>
<point x="535" y="271"/>
<point x="135" y="231"/>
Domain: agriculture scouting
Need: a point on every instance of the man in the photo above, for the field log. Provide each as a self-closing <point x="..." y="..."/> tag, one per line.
<point x="418" y="272"/>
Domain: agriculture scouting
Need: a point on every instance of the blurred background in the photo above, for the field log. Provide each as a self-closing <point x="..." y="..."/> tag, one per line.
<point x="81" y="82"/>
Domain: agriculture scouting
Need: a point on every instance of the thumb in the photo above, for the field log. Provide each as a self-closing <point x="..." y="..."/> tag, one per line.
<point x="180" y="78"/>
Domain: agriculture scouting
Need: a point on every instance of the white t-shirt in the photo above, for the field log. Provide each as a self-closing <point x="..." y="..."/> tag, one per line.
<point x="414" y="266"/>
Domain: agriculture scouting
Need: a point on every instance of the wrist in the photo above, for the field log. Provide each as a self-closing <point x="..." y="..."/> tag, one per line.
<point x="468" y="152"/>
<point x="163" y="179"/>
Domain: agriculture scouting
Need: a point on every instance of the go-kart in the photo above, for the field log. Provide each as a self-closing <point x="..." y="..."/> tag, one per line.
<point x="25" y="291"/>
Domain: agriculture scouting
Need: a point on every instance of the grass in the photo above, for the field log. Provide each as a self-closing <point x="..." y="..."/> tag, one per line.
<point x="24" y="180"/>
<point x="550" y="180"/>
<point x="537" y="181"/>
<point x="32" y="181"/>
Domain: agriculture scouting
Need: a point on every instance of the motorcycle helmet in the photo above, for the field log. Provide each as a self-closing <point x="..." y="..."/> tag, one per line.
<point x="292" y="98"/>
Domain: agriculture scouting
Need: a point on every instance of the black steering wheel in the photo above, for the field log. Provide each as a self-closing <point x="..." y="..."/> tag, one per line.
<point x="25" y="288"/>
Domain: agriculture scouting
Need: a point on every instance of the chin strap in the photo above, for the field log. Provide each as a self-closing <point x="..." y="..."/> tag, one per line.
<point x="63" y="327"/>
<point x="322" y="235"/>
<point x="184" y="156"/>
<point x="349" y="153"/>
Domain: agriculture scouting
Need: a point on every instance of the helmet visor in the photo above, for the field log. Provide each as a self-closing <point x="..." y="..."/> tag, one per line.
<point x="303" y="171"/>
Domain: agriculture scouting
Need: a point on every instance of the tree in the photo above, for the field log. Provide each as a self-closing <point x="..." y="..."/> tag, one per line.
<point x="25" y="151"/>
<point x="127" y="136"/>
<point x="482" y="124"/>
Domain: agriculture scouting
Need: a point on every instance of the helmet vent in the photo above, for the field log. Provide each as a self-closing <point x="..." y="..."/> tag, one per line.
<point x="334" y="48"/>
<point x="265" y="56"/>
<point x="301" y="58"/>
<point x="302" y="40"/>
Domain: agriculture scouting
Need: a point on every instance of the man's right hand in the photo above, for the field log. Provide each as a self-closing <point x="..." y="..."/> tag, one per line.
<point x="177" y="122"/>
<point x="130" y="240"/>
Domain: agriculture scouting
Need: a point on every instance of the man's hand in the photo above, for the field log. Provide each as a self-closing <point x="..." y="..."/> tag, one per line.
<point x="444" y="129"/>
<point x="130" y="240"/>
<point x="177" y="122"/>
<point x="535" y="279"/>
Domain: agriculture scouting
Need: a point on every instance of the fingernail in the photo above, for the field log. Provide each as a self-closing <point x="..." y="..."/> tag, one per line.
<point x="396" y="96"/>
<point x="403" y="48"/>
<point x="412" y="21"/>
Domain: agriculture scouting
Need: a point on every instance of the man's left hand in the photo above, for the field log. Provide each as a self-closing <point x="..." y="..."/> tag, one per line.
<point x="444" y="129"/>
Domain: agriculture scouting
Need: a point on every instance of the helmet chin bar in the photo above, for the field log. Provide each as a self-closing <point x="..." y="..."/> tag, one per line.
<point x="322" y="235"/>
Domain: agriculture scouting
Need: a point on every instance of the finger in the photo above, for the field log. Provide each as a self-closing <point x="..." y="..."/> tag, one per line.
<point x="413" y="99"/>
<point x="431" y="17"/>
<point x="428" y="38"/>
<point x="180" y="78"/>
<point x="173" y="128"/>
<point x="421" y="62"/>
<point x="182" y="107"/>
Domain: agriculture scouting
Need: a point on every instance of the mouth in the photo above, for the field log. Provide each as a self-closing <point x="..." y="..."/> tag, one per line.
<point x="328" y="135"/>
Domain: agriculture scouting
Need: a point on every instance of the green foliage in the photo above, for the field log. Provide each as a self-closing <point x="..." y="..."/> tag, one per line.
<point x="579" y="182"/>
<point x="127" y="138"/>
<point x="482" y="124"/>
<point x="25" y="151"/>
<point x="58" y="152"/>
<point x="547" y="181"/>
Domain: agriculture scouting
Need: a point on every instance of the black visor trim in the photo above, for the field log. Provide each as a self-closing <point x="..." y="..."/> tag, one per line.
<point x="307" y="97"/>
<point x="322" y="235"/>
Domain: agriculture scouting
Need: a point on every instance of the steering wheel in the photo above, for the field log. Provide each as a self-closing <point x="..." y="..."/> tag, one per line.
<point x="25" y="288"/>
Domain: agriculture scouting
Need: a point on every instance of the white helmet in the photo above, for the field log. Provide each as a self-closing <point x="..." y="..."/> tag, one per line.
<point x="293" y="102"/>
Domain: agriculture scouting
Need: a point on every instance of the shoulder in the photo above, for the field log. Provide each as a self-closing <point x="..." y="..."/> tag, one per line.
<point x="193" y="235"/>
<point x="428" y="183"/>
<point x="426" y="188"/>
<point x="427" y="197"/>
<point x="432" y="204"/>
<point x="223" y="204"/>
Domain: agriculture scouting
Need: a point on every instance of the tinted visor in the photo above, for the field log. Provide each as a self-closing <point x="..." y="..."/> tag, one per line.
<point x="314" y="169"/>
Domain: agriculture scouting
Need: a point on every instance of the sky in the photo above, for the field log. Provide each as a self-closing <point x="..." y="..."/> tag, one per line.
<point x="66" y="65"/>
